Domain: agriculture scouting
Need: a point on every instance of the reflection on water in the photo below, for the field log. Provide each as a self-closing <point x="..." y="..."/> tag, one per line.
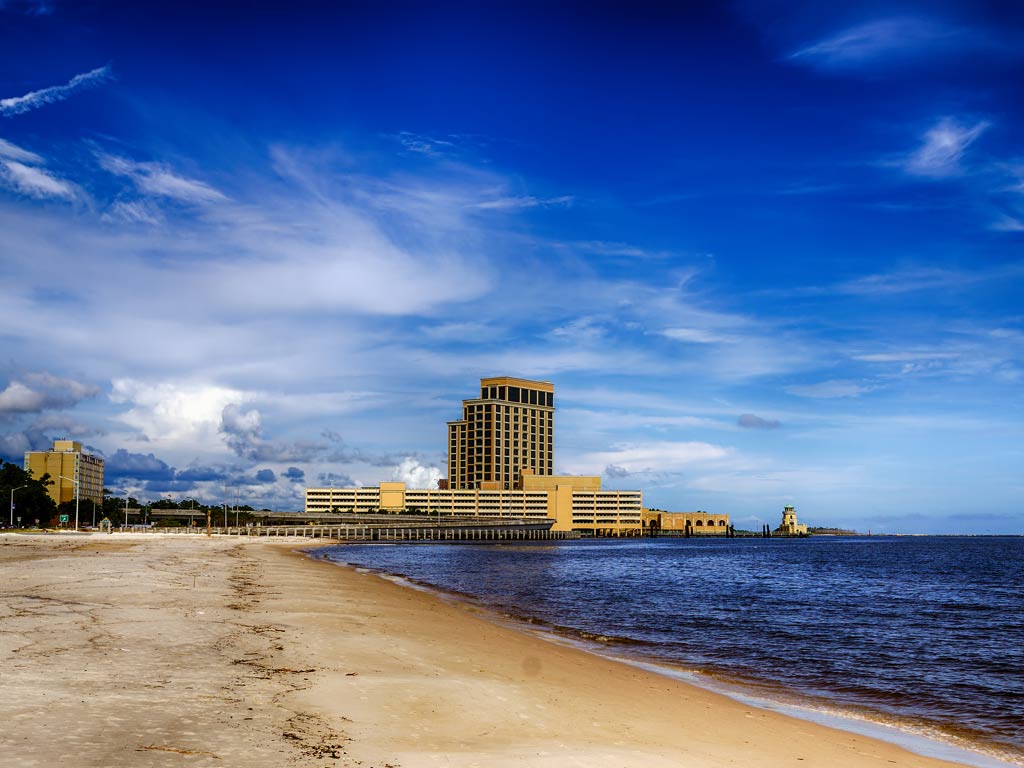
<point x="924" y="631"/>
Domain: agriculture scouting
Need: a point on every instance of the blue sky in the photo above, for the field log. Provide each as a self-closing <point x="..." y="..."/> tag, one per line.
<point x="768" y="252"/>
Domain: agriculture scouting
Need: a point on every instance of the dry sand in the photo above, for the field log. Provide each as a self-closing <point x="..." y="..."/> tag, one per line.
<point x="187" y="651"/>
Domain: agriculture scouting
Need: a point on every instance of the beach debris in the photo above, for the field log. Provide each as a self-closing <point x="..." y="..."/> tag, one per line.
<point x="175" y="750"/>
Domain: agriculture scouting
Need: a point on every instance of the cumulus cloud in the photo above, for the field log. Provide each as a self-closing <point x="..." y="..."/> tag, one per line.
<point x="35" y="392"/>
<point x="186" y="414"/>
<point x="17" y="105"/>
<point x="123" y="464"/>
<point x="614" y="470"/>
<point x="243" y="433"/>
<point x="942" y="148"/>
<point x="416" y="475"/>
<point x="751" y="421"/>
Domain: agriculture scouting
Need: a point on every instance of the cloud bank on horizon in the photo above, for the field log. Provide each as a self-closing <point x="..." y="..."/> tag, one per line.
<point x="792" y="278"/>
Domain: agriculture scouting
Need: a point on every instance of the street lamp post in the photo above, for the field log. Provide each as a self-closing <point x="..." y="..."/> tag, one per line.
<point x="76" y="484"/>
<point x="119" y="490"/>
<point x="12" y="501"/>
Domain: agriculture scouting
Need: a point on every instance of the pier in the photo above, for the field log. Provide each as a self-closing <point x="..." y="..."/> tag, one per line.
<point x="417" y="530"/>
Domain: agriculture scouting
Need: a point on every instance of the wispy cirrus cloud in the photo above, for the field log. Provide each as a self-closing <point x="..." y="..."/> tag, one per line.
<point x="942" y="148"/>
<point x="428" y="146"/>
<point x="19" y="171"/>
<point x="11" y="151"/>
<point x="34" y="182"/>
<point x="831" y="389"/>
<point x="159" y="180"/>
<point x="881" y="40"/>
<point x="16" y="105"/>
<point x="695" y="335"/>
<point x="523" y="201"/>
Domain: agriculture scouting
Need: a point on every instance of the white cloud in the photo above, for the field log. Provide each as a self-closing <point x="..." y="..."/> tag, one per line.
<point x="17" y="398"/>
<point x="35" y="182"/>
<point x="524" y="201"/>
<point x="831" y="389"/>
<point x="906" y="356"/>
<point x="175" y="415"/>
<point x="582" y="330"/>
<point x="133" y="212"/>
<point x="36" y="392"/>
<point x="416" y="475"/>
<point x="693" y="335"/>
<point x="425" y="145"/>
<point x="16" y="105"/>
<point x="157" y="179"/>
<point x="1007" y="223"/>
<point x="649" y="457"/>
<point x="14" y="152"/>
<point x="942" y="147"/>
<point x="882" y="40"/>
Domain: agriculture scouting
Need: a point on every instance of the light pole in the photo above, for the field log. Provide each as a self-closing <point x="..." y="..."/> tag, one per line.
<point x="119" y="490"/>
<point x="12" y="501"/>
<point x="76" y="497"/>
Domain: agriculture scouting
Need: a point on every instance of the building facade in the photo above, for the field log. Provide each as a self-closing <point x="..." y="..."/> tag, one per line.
<point x="504" y="433"/>
<point x="68" y="466"/>
<point x="789" y="525"/>
<point x="688" y="523"/>
<point x="573" y="503"/>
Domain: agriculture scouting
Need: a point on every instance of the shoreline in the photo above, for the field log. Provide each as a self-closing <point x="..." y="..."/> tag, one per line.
<point x="138" y="649"/>
<point x="758" y="693"/>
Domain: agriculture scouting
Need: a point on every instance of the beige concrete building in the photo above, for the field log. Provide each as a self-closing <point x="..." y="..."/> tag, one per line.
<point x="573" y="503"/>
<point x="77" y="467"/>
<point x="509" y="429"/>
<point x="789" y="526"/>
<point x="698" y="523"/>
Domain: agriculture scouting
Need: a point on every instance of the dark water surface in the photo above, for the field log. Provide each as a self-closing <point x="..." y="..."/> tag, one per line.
<point x="923" y="633"/>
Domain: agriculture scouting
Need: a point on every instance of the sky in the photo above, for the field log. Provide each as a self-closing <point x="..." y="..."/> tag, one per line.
<point x="768" y="252"/>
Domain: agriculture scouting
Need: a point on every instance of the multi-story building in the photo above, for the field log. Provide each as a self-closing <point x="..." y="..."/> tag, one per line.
<point x="68" y="466"/>
<point x="507" y="431"/>
<point x="573" y="503"/>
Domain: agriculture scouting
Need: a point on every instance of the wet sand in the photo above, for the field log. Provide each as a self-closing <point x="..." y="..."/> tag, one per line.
<point x="146" y="650"/>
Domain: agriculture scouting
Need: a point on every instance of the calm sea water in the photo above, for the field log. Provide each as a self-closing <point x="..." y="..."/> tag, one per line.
<point x="923" y="633"/>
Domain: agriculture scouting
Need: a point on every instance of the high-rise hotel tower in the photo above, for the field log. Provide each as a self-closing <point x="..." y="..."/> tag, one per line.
<point x="505" y="432"/>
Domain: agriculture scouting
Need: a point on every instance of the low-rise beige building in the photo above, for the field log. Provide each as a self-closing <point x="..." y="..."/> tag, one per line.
<point x="691" y="523"/>
<point x="574" y="503"/>
<point x="68" y="466"/>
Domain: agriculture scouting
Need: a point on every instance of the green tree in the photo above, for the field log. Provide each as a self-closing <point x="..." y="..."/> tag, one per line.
<point x="31" y="502"/>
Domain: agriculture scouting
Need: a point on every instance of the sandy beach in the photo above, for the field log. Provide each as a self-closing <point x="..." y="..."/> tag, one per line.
<point x="150" y="650"/>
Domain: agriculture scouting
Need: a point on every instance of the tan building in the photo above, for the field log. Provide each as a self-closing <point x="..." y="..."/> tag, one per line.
<point x="789" y="526"/>
<point x="77" y="468"/>
<point x="698" y="523"/>
<point x="574" y="503"/>
<point x="506" y="431"/>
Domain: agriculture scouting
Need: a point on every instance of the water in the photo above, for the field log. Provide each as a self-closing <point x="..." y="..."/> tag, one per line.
<point x="923" y="633"/>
